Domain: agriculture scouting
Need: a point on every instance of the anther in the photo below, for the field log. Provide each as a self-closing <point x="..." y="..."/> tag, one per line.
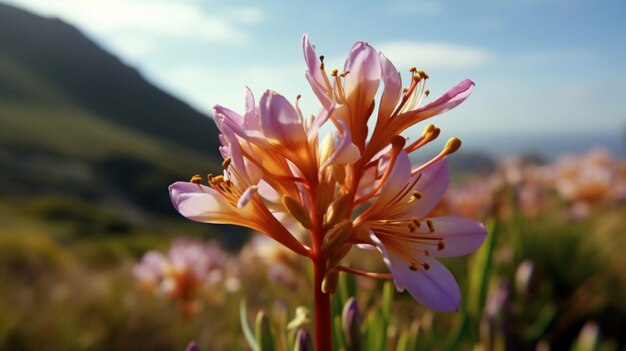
<point x="411" y="228"/>
<point x="196" y="179"/>
<point x="441" y="245"/>
<point x="417" y="194"/>
<point x="423" y="74"/>
<point x="334" y="73"/>
<point x="226" y="162"/>
<point x="322" y="59"/>
<point x="431" y="226"/>
<point x="413" y="267"/>
<point x="429" y="129"/>
<point x="413" y="69"/>
<point x="416" y="222"/>
<point x="452" y="145"/>
<point x="427" y="92"/>
<point x="426" y="266"/>
<point x="398" y="141"/>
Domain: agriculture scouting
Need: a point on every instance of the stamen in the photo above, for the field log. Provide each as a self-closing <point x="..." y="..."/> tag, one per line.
<point x="431" y="226"/>
<point x="364" y="273"/>
<point x="397" y="143"/>
<point x="441" y="245"/>
<point x="197" y="180"/>
<point x="226" y="162"/>
<point x="416" y="222"/>
<point x="341" y="94"/>
<point x="452" y="146"/>
<point x="329" y="87"/>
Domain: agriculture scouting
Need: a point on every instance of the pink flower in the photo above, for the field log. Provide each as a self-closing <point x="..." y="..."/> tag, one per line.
<point x="355" y="187"/>
<point x="187" y="266"/>
<point x="351" y="93"/>
<point x="410" y="242"/>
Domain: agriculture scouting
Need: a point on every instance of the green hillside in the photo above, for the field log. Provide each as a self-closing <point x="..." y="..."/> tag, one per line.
<point x="81" y="130"/>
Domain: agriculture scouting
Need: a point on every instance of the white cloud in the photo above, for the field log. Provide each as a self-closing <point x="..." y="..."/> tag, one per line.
<point x="433" y="55"/>
<point x="150" y="19"/>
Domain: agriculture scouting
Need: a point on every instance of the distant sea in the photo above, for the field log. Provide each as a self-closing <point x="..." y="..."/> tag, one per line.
<point x="547" y="145"/>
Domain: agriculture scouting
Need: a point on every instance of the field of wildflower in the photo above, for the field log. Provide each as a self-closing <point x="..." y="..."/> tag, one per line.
<point x="355" y="247"/>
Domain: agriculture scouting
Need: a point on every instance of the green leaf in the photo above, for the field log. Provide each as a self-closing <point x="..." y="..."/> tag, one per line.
<point x="264" y="338"/>
<point x="245" y="325"/>
<point x="479" y="273"/>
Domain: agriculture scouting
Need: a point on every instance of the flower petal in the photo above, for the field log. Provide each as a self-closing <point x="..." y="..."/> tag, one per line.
<point x="434" y="287"/>
<point x="205" y="205"/>
<point x="462" y="236"/>
<point x="432" y="185"/>
<point x="398" y="179"/>
<point x="314" y="72"/>
<point x="250" y="117"/>
<point x="345" y="151"/>
<point x="392" y="90"/>
<point x="280" y="122"/>
<point x="447" y="101"/>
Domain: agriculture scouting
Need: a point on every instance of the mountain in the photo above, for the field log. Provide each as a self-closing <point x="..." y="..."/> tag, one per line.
<point x="77" y="124"/>
<point x="60" y="56"/>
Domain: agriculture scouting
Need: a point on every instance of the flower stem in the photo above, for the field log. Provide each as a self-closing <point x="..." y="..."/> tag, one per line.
<point x="323" y="320"/>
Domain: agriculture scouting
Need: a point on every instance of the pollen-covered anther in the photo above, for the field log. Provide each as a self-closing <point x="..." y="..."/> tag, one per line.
<point x="452" y="145"/>
<point x="441" y="245"/>
<point x="428" y="130"/>
<point x="226" y="162"/>
<point x="398" y="141"/>
<point x="416" y="222"/>
<point x="423" y="74"/>
<point x="414" y="266"/>
<point x="427" y="92"/>
<point x="334" y="73"/>
<point x="197" y="180"/>
<point x="431" y="225"/>
<point x="417" y="195"/>
<point x="413" y="69"/>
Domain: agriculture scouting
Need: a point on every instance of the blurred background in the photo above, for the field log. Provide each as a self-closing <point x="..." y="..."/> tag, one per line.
<point x="105" y="103"/>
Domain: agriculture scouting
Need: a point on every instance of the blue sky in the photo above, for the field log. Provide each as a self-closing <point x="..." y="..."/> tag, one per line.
<point x="550" y="66"/>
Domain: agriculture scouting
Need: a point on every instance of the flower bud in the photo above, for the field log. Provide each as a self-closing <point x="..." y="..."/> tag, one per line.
<point x="351" y="323"/>
<point x="192" y="346"/>
<point x="329" y="284"/>
<point x="303" y="341"/>
<point x="337" y="235"/>
<point x="523" y="277"/>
